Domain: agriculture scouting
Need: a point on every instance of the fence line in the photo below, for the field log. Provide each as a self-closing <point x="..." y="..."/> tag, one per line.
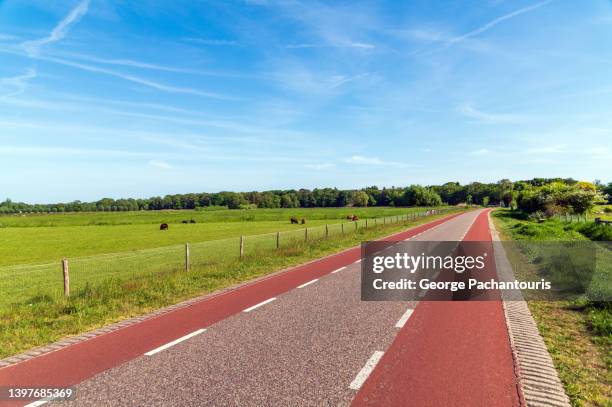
<point x="575" y="218"/>
<point x="22" y="282"/>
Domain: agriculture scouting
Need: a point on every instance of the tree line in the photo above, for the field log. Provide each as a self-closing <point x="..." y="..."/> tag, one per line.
<point x="547" y="195"/>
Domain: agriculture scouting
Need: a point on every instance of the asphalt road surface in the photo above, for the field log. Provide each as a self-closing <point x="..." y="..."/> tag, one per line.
<point x="300" y="338"/>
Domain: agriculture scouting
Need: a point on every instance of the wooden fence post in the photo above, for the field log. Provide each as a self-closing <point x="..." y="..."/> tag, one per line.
<point x="306" y="234"/>
<point x="366" y="223"/>
<point x="241" y="246"/>
<point x="356" y="225"/>
<point x="66" y="278"/>
<point x="187" y="263"/>
<point x="326" y="231"/>
<point x="342" y="227"/>
<point x="277" y="240"/>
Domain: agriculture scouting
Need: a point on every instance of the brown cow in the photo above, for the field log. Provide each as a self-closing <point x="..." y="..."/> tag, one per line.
<point x="303" y="221"/>
<point x="294" y="220"/>
<point x="163" y="226"/>
<point x="355" y="218"/>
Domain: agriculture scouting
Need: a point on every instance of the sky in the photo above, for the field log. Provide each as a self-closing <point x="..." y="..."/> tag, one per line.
<point x="117" y="99"/>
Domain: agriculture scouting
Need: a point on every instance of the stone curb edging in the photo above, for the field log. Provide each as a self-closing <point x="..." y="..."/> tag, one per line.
<point x="538" y="380"/>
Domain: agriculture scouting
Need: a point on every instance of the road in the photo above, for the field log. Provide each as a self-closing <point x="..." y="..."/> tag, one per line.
<point x="302" y="337"/>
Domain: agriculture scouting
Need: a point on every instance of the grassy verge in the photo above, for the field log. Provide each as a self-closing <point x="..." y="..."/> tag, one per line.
<point x="578" y="334"/>
<point x="43" y="319"/>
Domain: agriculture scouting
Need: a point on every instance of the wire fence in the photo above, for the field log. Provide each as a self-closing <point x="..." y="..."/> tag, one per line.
<point x="23" y="283"/>
<point x="583" y="218"/>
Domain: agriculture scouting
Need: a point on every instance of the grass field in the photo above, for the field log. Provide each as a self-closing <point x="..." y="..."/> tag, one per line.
<point x="129" y="286"/>
<point x="578" y="333"/>
<point x="602" y="211"/>
<point x="40" y="238"/>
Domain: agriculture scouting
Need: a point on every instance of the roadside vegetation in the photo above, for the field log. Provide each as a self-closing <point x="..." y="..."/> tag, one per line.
<point x="578" y="333"/>
<point x="41" y="319"/>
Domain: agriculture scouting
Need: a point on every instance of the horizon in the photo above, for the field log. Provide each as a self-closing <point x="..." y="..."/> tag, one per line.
<point x="379" y="187"/>
<point x="104" y="100"/>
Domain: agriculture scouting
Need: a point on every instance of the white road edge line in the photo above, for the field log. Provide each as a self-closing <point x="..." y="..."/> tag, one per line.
<point x="174" y="342"/>
<point x="402" y="321"/>
<point x="363" y="374"/>
<point x="308" y="283"/>
<point x="358" y="261"/>
<point x="259" y="305"/>
<point x="38" y="403"/>
<point x="337" y="270"/>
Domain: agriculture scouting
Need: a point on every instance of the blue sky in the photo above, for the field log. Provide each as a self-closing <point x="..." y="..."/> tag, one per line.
<point x="133" y="99"/>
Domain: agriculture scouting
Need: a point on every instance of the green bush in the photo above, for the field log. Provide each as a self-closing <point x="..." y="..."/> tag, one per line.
<point x="558" y="197"/>
<point x="595" y="231"/>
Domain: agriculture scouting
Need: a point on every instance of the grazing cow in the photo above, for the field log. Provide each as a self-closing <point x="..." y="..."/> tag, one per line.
<point x="294" y="220"/>
<point x="355" y="218"/>
<point x="303" y="221"/>
<point x="184" y="221"/>
<point x="192" y="221"/>
<point x="163" y="226"/>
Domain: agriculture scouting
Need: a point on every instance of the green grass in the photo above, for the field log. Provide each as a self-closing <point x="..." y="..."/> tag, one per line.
<point x="578" y="333"/>
<point x="40" y="238"/>
<point x="602" y="211"/>
<point x="200" y="216"/>
<point x="39" y="319"/>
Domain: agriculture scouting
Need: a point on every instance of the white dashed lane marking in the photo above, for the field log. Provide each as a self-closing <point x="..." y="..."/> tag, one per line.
<point x="308" y="283"/>
<point x="170" y="344"/>
<point x="402" y="321"/>
<point x="364" y="373"/>
<point x="259" y="305"/>
<point x="38" y="403"/>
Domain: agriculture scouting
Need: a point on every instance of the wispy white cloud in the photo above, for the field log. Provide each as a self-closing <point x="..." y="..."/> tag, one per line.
<point x="422" y="34"/>
<point x="60" y="30"/>
<point x="160" y="164"/>
<point x="7" y="37"/>
<point x="16" y="85"/>
<point x="327" y="25"/>
<point x="342" y="44"/>
<point x="54" y="151"/>
<point x="320" y="167"/>
<point x="598" y="151"/>
<point x="341" y="79"/>
<point x="126" y="62"/>
<point x="481" y="151"/>
<point x="310" y="80"/>
<point x="363" y="45"/>
<point x="213" y="41"/>
<point x="32" y="49"/>
<point x="485" y="117"/>
<point x="362" y="160"/>
<point x="496" y="21"/>
<point x="552" y="149"/>
<point x="132" y="78"/>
